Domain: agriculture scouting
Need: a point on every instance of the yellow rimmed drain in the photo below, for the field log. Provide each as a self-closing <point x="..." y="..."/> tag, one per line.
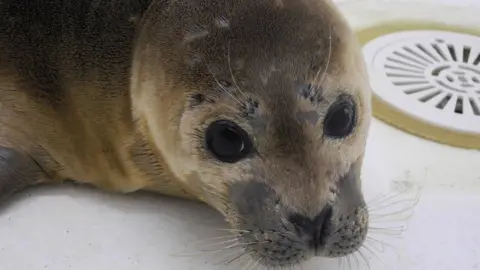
<point x="426" y="79"/>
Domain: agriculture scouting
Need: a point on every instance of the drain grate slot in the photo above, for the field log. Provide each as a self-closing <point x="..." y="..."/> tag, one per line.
<point x="451" y="49"/>
<point x="418" y="90"/>
<point x="404" y="83"/>
<point x="430" y="96"/>
<point x="466" y="54"/>
<point x="437" y="49"/>
<point x="475" y="106"/>
<point x="404" y="63"/>
<point x="422" y="48"/>
<point x="444" y="101"/>
<point x="406" y="57"/>
<point x="396" y="75"/>
<point x="411" y="51"/>
<point x="459" y="106"/>
<point x="477" y="60"/>
<point x="402" y="69"/>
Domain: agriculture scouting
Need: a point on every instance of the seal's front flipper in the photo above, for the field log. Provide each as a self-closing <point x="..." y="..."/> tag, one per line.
<point x="17" y="171"/>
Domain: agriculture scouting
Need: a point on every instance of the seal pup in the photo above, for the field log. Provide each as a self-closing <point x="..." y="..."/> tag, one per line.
<point x="259" y="108"/>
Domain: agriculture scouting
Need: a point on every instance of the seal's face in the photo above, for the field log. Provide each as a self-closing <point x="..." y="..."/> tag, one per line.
<point x="269" y="119"/>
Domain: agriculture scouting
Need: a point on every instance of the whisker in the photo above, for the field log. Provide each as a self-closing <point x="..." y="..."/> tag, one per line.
<point x="221" y="86"/>
<point x="387" y="198"/>
<point x="349" y="264"/>
<point x="344" y="263"/>
<point x="224" y="258"/>
<point x="211" y="248"/>
<point x="389" y="233"/>
<point x="231" y="72"/>
<point x="339" y="263"/>
<point x="202" y="252"/>
<point x="394" y="213"/>
<point x="373" y="209"/>
<point x="381" y="243"/>
<point x="365" y="259"/>
<point x="375" y="255"/>
<point x="240" y="256"/>
<point x="356" y="259"/>
<point x="404" y="219"/>
<point x="256" y="264"/>
<point x="232" y="230"/>
<point x="384" y="245"/>
<point x="216" y="238"/>
<point x="380" y="249"/>
<point x="199" y="250"/>
<point x="221" y="243"/>
<point x="391" y="216"/>
<point x="415" y="199"/>
<point x="259" y="265"/>
<point x="248" y="265"/>
<point x="329" y="55"/>
<point x="374" y="199"/>
<point x="220" y="249"/>
<point x="327" y="64"/>
<point x="408" y="202"/>
<point x="391" y="229"/>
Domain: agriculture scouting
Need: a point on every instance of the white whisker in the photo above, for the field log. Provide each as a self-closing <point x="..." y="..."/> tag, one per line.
<point x="365" y="259"/>
<point x="221" y="86"/>
<point x="329" y="55"/>
<point x="375" y="255"/>
<point x="231" y="72"/>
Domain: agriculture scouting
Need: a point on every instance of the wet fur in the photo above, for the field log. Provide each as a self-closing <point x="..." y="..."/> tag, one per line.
<point x="117" y="94"/>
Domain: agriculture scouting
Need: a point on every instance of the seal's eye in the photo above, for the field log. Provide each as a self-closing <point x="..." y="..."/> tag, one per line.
<point x="340" y="119"/>
<point x="227" y="141"/>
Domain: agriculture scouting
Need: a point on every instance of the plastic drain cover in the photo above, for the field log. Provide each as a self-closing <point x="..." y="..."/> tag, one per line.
<point x="433" y="76"/>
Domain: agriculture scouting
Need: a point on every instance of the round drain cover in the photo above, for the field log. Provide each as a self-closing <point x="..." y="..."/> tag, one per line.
<point x="433" y="76"/>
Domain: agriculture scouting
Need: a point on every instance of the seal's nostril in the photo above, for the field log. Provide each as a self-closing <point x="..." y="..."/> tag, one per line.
<point x="302" y="224"/>
<point x="321" y="222"/>
<point x="311" y="227"/>
<point x="314" y="229"/>
<point x="324" y="216"/>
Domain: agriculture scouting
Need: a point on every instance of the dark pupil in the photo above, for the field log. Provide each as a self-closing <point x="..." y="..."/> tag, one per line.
<point x="227" y="143"/>
<point x="339" y="121"/>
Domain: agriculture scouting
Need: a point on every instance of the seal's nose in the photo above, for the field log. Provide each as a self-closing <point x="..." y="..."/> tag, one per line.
<point x="313" y="228"/>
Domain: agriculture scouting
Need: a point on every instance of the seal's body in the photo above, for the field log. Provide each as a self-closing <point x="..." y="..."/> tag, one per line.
<point x="65" y="79"/>
<point x="258" y="107"/>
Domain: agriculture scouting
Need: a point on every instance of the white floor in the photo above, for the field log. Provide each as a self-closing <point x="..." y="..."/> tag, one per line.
<point x="78" y="228"/>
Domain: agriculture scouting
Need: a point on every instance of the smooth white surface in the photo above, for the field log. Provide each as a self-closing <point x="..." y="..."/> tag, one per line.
<point x="395" y="71"/>
<point x="78" y="228"/>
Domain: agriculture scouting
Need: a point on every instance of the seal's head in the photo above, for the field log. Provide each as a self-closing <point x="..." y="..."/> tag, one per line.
<point x="262" y="108"/>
